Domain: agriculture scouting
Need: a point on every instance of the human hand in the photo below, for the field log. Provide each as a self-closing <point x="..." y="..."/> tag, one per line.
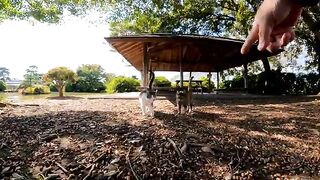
<point x="273" y="25"/>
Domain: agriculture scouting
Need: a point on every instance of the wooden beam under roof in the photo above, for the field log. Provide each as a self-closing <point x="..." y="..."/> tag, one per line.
<point x="197" y="53"/>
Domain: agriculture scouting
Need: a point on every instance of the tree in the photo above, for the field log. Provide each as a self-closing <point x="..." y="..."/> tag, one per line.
<point x="309" y="36"/>
<point x="172" y="16"/>
<point x="90" y="78"/>
<point x="2" y="85"/>
<point x="60" y="76"/>
<point x="109" y="77"/>
<point x="226" y="18"/>
<point x="47" y="11"/>
<point x="32" y="76"/>
<point x="4" y="74"/>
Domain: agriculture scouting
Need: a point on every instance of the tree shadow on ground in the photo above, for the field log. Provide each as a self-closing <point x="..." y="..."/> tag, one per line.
<point x="65" y="98"/>
<point x="101" y="140"/>
<point x="208" y="99"/>
<point x="74" y="139"/>
<point x="240" y="149"/>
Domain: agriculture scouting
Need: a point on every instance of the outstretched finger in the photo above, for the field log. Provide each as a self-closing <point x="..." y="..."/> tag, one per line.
<point x="265" y="30"/>
<point x="251" y="39"/>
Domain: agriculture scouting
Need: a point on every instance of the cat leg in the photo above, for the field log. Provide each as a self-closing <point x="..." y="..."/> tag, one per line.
<point x="152" y="112"/>
<point x="143" y="109"/>
<point x="185" y="108"/>
<point x="148" y="110"/>
<point x="178" y="109"/>
<point x="189" y="108"/>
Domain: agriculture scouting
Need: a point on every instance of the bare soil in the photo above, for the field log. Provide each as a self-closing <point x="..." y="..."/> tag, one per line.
<point x="225" y="138"/>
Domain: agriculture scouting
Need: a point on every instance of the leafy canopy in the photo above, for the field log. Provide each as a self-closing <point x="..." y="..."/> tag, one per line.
<point x="31" y="77"/>
<point x="4" y="74"/>
<point x="172" y="16"/>
<point x="109" y="77"/>
<point x="226" y="18"/>
<point x="50" y="11"/>
<point x="90" y="78"/>
<point x="2" y="85"/>
<point x="60" y="76"/>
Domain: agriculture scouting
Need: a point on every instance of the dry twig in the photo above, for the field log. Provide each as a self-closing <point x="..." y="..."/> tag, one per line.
<point x="90" y="172"/>
<point x="130" y="165"/>
<point x="52" y="176"/>
<point x="175" y="147"/>
<point x="98" y="159"/>
<point x="62" y="168"/>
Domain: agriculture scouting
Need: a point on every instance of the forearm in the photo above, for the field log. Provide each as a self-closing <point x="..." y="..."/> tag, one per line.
<point x="304" y="3"/>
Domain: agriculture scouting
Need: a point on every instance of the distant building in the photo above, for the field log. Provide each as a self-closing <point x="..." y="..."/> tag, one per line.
<point x="13" y="85"/>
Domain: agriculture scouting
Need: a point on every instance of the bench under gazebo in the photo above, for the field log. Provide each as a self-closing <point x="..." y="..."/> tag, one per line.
<point x="185" y="53"/>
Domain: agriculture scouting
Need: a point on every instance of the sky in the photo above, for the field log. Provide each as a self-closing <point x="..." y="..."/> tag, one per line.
<point x="72" y="43"/>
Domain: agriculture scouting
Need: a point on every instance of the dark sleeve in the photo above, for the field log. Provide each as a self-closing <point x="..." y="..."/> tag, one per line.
<point x="307" y="2"/>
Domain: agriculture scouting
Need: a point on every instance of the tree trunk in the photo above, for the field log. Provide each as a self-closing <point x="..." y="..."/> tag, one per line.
<point x="61" y="91"/>
<point x="318" y="73"/>
<point x="313" y="25"/>
<point x="267" y="70"/>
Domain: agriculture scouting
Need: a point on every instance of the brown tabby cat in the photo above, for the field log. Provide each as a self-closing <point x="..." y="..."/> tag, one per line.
<point x="184" y="97"/>
<point x="181" y="99"/>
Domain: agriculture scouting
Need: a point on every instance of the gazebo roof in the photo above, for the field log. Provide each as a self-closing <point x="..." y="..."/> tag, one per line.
<point x="196" y="53"/>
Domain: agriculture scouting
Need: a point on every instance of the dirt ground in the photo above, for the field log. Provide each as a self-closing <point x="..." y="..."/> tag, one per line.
<point x="225" y="138"/>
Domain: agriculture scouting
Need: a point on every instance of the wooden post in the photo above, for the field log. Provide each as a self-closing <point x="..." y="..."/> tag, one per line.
<point x="209" y="78"/>
<point x="245" y="75"/>
<point x="266" y="64"/>
<point x="145" y="65"/>
<point x="142" y="79"/>
<point x="181" y="75"/>
<point x="218" y="80"/>
<point x="267" y="70"/>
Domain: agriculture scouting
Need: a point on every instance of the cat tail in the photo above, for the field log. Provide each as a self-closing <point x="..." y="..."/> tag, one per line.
<point x="152" y="76"/>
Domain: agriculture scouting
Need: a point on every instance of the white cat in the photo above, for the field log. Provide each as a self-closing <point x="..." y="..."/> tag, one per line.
<point x="146" y="100"/>
<point x="147" y="97"/>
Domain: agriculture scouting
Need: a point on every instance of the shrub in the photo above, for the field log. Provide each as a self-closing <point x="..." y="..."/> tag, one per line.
<point x="37" y="89"/>
<point x="84" y="86"/>
<point x="52" y="87"/>
<point x="279" y="83"/>
<point x="162" y="81"/>
<point x="2" y="86"/>
<point x="205" y="84"/>
<point x="70" y="87"/>
<point x="122" y="84"/>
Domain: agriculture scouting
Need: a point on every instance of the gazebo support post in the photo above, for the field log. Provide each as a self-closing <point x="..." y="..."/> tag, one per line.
<point x="209" y="78"/>
<point x="181" y="75"/>
<point x="218" y="80"/>
<point x="245" y="76"/>
<point x="145" y="66"/>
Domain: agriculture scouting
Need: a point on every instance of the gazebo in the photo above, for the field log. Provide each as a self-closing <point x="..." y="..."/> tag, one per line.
<point x="185" y="53"/>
